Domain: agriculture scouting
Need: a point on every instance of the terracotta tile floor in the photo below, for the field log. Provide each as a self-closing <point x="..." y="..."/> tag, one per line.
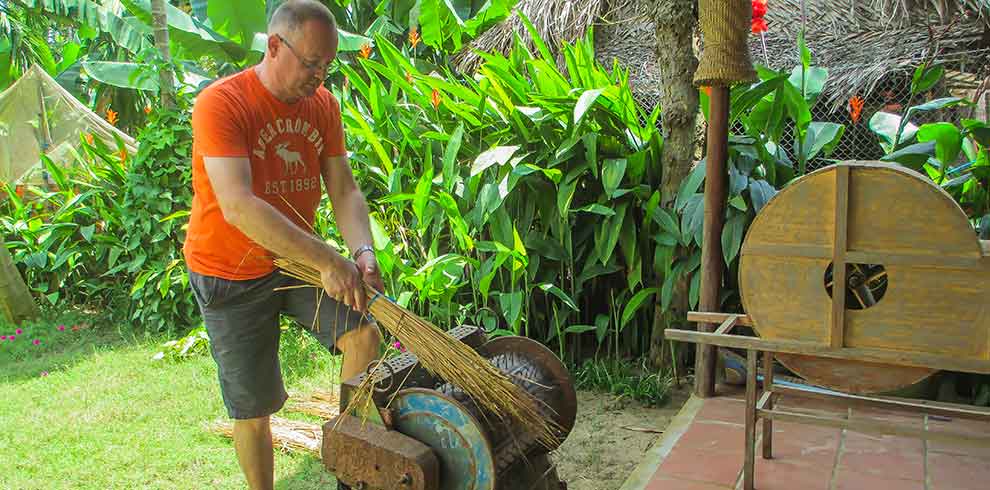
<point x="706" y="452"/>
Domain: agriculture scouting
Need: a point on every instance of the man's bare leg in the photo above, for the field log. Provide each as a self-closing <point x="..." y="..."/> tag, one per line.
<point x="253" y="444"/>
<point x="359" y="347"/>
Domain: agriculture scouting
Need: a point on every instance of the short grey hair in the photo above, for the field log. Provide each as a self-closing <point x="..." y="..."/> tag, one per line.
<point x="291" y="15"/>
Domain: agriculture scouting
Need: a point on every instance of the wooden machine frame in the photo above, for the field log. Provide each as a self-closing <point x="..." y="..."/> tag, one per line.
<point x="763" y="407"/>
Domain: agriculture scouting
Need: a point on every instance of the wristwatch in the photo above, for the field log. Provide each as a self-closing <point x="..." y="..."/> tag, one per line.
<point x="361" y="250"/>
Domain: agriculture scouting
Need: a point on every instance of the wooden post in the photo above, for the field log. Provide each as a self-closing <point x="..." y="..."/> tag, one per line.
<point x="716" y="187"/>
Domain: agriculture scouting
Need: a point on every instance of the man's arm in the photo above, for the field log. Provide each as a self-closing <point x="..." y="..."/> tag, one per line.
<point x="261" y="222"/>
<point x="351" y="214"/>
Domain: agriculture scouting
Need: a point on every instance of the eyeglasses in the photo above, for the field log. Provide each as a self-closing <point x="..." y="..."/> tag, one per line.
<point x="314" y="67"/>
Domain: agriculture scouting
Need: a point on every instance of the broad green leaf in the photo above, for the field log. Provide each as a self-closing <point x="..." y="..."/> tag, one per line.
<point x="613" y="171"/>
<point x="511" y="305"/>
<point x="596" y="209"/>
<point x="822" y="137"/>
<point x="189" y="38"/>
<point x="886" y="125"/>
<point x="602" y="323"/>
<point x="580" y="328"/>
<point x="607" y="233"/>
<point x="913" y="156"/>
<point x="979" y="130"/>
<point x="556" y="291"/>
<point x="732" y="235"/>
<point x="814" y="81"/>
<point x="238" y="20"/>
<point x="690" y="186"/>
<point x="87" y="232"/>
<point x="122" y="74"/>
<point x="634" y="304"/>
<point x="498" y="155"/>
<point x="760" y="192"/>
<point x="423" y="187"/>
<point x="584" y="103"/>
<point x="450" y="158"/>
<point x="925" y="78"/>
<point x="108" y="16"/>
<point x="948" y="140"/>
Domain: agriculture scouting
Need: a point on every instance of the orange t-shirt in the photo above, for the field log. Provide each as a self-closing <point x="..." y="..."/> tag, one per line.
<point x="238" y="117"/>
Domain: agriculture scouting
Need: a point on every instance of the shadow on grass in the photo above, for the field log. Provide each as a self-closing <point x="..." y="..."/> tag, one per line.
<point x="309" y="474"/>
<point x="42" y="348"/>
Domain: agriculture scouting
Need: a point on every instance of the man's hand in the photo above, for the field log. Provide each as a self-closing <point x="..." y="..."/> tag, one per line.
<point x="368" y="265"/>
<point x="342" y="281"/>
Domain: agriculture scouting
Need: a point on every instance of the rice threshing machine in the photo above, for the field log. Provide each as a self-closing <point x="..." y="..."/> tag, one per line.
<point x="426" y="434"/>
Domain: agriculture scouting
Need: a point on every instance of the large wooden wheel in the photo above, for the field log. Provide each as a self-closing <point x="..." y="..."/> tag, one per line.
<point x="912" y="266"/>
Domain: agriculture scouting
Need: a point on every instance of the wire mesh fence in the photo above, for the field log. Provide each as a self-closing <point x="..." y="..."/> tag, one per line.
<point x="858" y="142"/>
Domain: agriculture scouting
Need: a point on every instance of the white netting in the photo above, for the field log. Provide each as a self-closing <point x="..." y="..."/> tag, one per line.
<point x="38" y="116"/>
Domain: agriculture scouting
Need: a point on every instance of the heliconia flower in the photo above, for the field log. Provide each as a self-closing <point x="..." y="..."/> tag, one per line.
<point x="365" y="51"/>
<point x="19" y="331"/>
<point x="147" y="109"/>
<point x="855" y="108"/>
<point x="435" y="98"/>
<point x="414" y="38"/>
<point x="89" y="138"/>
<point x="409" y="77"/>
<point x="123" y="155"/>
<point x="36" y="341"/>
<point x="111" y="116"/>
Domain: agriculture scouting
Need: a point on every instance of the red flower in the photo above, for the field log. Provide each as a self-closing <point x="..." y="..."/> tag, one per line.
<point x="759" y="8"/>
<point x="414" y="38"/>
<point x="759" y="25"/>
<point x="855" y="108"/>
<point x="435" y="98"/>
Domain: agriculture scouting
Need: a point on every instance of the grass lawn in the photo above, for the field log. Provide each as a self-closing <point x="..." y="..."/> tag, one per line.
<point x="90" y="409"/>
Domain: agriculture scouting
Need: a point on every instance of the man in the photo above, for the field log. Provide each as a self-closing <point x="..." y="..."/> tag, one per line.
<point x="262" y="139"/>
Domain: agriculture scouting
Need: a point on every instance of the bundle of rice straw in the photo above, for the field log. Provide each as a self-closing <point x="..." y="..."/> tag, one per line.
<point x="322" y="404"/>
<point x="287" y="435"/>
<point x="447" y="358"/>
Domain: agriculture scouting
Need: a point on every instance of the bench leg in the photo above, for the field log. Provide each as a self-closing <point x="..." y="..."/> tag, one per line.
<point x="750" y="461"/>
<point x="768" y="388"/>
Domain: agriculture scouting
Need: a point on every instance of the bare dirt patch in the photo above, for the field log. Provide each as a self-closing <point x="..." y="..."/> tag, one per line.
<point x="610" y="439"/>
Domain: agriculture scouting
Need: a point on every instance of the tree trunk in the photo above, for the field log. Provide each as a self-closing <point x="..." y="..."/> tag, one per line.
<point x="675" y="21"/>
<point x="15" y="299"/>
<point x="159" y="21"/>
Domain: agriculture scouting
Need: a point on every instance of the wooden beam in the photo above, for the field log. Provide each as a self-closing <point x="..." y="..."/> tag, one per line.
<point x="877" y="427"/>
<point x="860" y="257"/>
<point x="837" y="320"/>
<point x="705" y="317"/>
<point x="727" y="325"/>
<point x="712" y="263"/>
<point x="901" y="358"/>
<point x="922" y="406"/>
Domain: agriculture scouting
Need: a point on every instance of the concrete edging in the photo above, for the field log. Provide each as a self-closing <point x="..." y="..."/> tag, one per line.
<point x="644" y="472"/>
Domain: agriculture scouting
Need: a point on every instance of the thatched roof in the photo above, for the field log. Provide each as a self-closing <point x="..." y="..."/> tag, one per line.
<point x="864" y="42"/>
<point x="861" y="42"/>
<point x="557" y="21"/>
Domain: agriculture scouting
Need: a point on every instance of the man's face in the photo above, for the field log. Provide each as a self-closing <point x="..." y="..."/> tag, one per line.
<point x="302" y="58"/>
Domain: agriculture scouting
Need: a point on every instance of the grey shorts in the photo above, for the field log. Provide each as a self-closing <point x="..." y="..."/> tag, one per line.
<point x="242" y="320"/>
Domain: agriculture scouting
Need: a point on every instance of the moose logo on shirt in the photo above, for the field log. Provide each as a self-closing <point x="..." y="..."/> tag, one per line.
<point x="291" y="160"/>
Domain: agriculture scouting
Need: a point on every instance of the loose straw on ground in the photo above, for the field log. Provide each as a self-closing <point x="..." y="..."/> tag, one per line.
<point x="447" y="358"/>
<point x="287" y="435"/>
